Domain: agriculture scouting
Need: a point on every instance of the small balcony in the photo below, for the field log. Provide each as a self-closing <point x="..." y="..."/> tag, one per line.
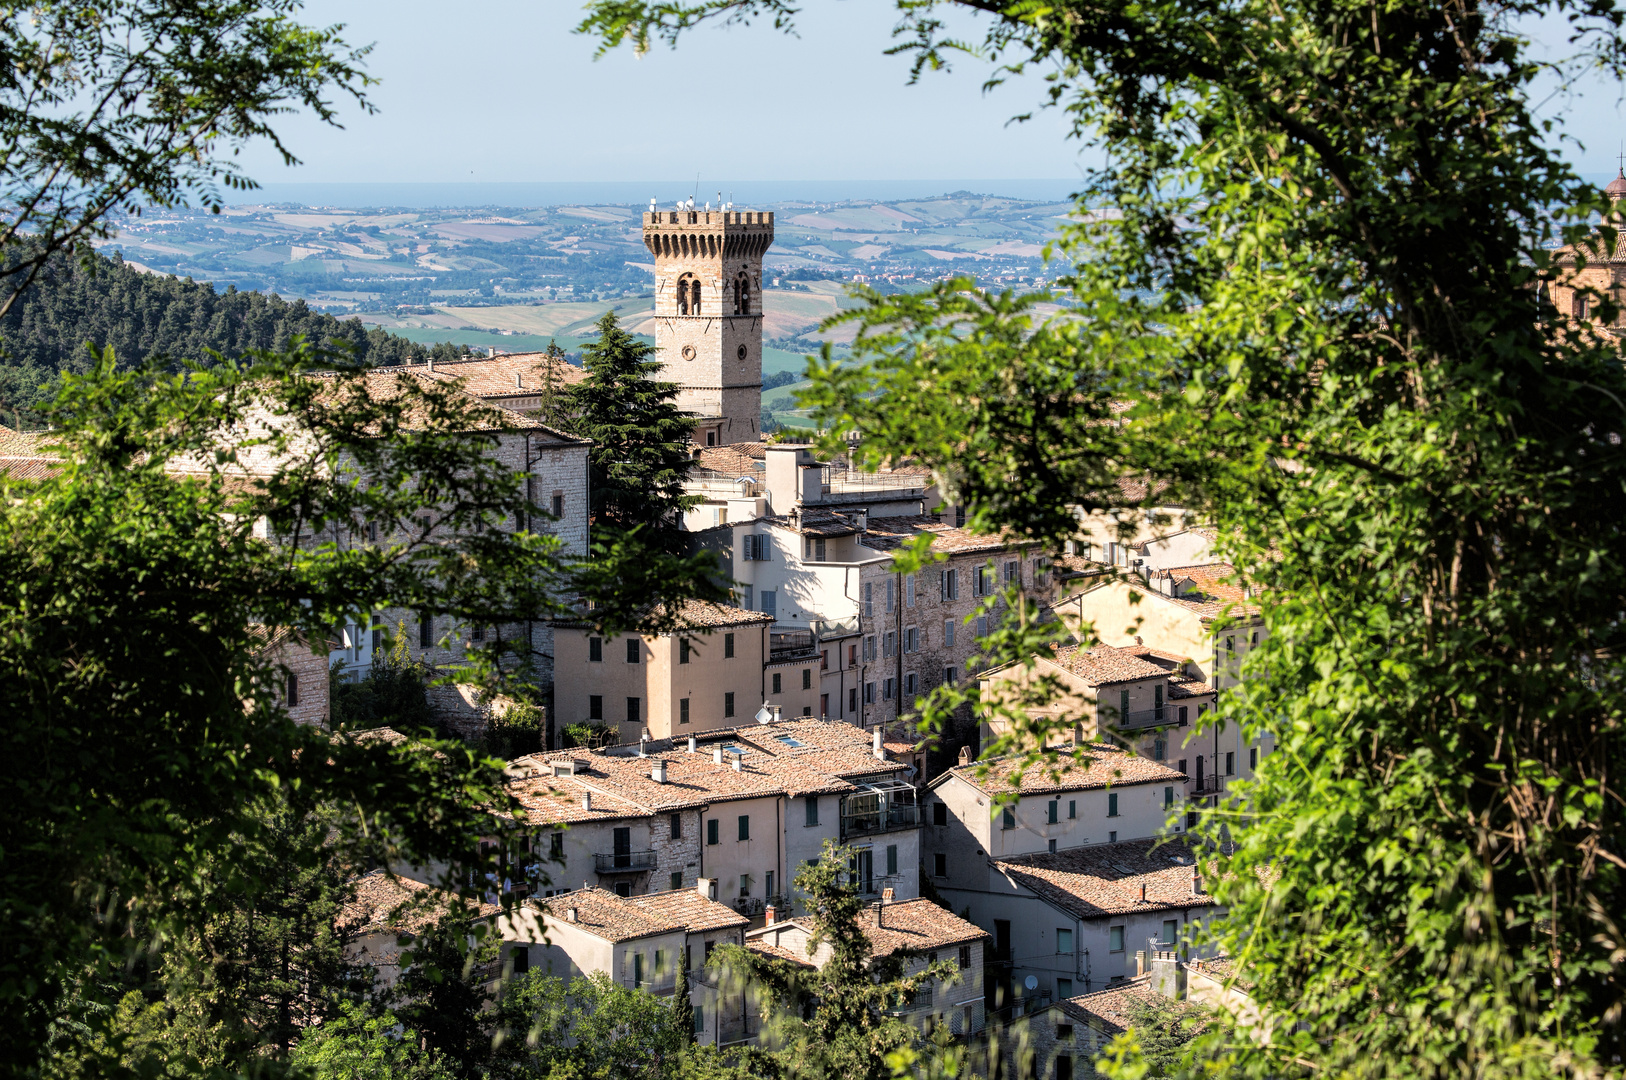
<point x="880" y="806"/>
<point x="1162" y="716"/>
<point x="624" y="862"/>
<point x="790" y="645"/>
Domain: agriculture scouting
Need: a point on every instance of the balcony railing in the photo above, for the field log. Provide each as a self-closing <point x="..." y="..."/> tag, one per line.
<point x="789" y="644"/>
<point x="882" y="806"/>
<point x="624" y="862"/>
<point x="1141" y="718"/>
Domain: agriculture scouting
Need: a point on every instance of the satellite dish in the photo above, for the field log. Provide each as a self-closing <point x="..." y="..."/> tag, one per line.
<point x="764" y="714"/>
<point x="1031" y="983"/>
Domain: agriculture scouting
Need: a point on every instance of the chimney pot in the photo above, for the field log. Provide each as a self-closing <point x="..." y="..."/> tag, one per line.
<point x="692" y="746"/>
<point x="737" y="763"/>
<point x="571" y="914"/>
<point x="875" y="745"/>
<point x="587" y="800"/>
<point x="965" y="755"/>
<point x="887" y="895"/>
<point x="770" y="915"/>
<point x="658" y="772"/>
<point x="1143" y="892"/>
<point x="717" y="755"/>
<point x="1197" y="881"/>
<point x="519" y="381"/>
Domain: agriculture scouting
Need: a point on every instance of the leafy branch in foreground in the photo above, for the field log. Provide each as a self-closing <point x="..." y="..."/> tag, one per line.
<point x="192" y="513"/>
<point x="1318" y="292"/>
<point x="134" y="103"/>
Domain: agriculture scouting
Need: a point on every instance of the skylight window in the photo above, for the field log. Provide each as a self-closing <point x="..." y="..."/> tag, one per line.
<point x="790" y="742"/>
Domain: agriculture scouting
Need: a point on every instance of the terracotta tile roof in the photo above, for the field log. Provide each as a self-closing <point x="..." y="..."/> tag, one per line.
<point x="1180" y="687"/>
<point x="1069" y="566"/>
<point x="908" y="925"/>
<point x="30" y="468"/>
<point x="889" y="533"/>
<point x="384" y="904"/>
<point x="493" y="377"/>
<point x="557" y="800"/>
<point x="1108" y="1011"/>
<point x="735" y="459"/>
<point x="15" y="443"/>
<point x="826" y="523"/>
<point x="827" y="755"/>
<point x="694" y="614"/>
<point x="757" y="945"/>
<point x="607" y="915"/>
<point x="1221" y="969"/>
<point x="386" y="383"/>
<point x="686" y="906"/>
<point x="1212" y="591"/>
<point x="1106" y="879"/>
<point x="1103" y="665"/>
<point x="1095" y="765"/>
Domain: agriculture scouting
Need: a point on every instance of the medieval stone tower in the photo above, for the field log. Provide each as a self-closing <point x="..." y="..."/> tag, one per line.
<point x="708" y="314"/>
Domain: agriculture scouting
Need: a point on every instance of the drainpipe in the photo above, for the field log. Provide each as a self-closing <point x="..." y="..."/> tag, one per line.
<point x="897" y="691"/>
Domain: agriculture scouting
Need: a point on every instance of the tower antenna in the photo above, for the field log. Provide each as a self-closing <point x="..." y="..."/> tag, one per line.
<point x="696" y="185"/>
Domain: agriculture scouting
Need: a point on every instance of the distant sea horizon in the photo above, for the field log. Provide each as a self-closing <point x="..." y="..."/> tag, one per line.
<point x="635" y="193"/>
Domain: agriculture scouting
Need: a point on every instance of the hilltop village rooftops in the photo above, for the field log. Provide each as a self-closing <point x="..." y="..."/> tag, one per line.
<point x="1109" y="1011"/>
<point x="890" y="533"/>
<point x="687" y="907"/>
<point x="1104" y="665"/>
<point x="1107" y="879"/>
<point x="24" y="444"/>
<point x="1093" y="765"/>
<point x="790" y="758"/>
<point x="693" y="615"/>
<point x="608" y="916"/>
<point x="913" y="926"/>
<point x="509" y="375"/>
<point x="477" y="414"/>
<point x="1210" y="590"/>
<point x="381" y="903"/>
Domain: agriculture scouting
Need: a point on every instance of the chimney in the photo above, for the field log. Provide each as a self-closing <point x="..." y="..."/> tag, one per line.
<point x="587" y="800"/>
<point x="706" y="887"/>
<point x="571" y="914"/>
<point x="658" y="772"/>
<point x="717" y="755"/>
<point x="770" y="916"/>
<point x="431" y="362"/>
<point x="519" y="381"/>
<point x="887" y="895"/>
<point x="738" y="761"/>
<point x="1196" y="880"/>
<point x="1143" y="892"/>
<point x="643" y="740"/>
<point x="965" y="755"/>
<point x="875" y="746"/>
<point x="692" y="746"/>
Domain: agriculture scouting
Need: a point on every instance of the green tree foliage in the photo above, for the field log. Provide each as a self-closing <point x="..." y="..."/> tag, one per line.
<point x="442" y="993"/>
<point x="682" y="1007"/>
<point x="840" y="1020"/>
<point x="1320" y="294"/>
<point x="393" y="693"/>
<point x="144" y="102"/>
<point x="100" y="302"/>
<point x="640" y="439"/>
<point x="144" y="733"/>
<point x="585" y="1027"/>
<point x="356" y="1046"/>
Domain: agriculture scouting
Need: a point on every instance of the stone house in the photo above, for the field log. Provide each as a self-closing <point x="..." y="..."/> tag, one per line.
<point x="1062" y="1040"/>
<point x="739" y="810"/>
<point x="712" y="674"/>
<point x="1199" y="621"/>
<point x="1096" y="793"/>
<point x="1136" y="697"/>
<point x="301" y="675"/>
<point x="382" y="915"/>
<point x="921" y="630"/>
<point x="749" y="480"/>
<point x="635" y="941"/>
<point x="1590" y="271"/>
<point x="919" y="933"/>
<point x="1073" y="920"/>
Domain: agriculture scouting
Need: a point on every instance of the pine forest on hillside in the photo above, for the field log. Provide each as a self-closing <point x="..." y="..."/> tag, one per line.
<point x="141" y="315"/>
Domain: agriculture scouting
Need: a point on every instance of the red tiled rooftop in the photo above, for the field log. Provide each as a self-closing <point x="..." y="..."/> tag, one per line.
<point x="1106" y="879"/>
<point x="1095" y="765"/>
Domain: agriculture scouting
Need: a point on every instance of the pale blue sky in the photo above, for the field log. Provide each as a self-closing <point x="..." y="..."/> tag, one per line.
<point x="501" y="91"/>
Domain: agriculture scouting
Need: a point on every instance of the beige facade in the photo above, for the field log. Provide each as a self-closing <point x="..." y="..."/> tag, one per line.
<point x="1209" y="624"/>
<point x="712" y="677"/>
<point x="708" y="314"/>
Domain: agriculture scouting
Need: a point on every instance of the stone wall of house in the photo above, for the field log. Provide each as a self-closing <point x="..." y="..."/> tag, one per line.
<point x="933" y="656"/>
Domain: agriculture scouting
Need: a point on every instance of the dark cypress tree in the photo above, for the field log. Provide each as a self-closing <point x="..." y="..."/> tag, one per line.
<point x="682" y="1007"/>
<point x="640" y="439"/>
